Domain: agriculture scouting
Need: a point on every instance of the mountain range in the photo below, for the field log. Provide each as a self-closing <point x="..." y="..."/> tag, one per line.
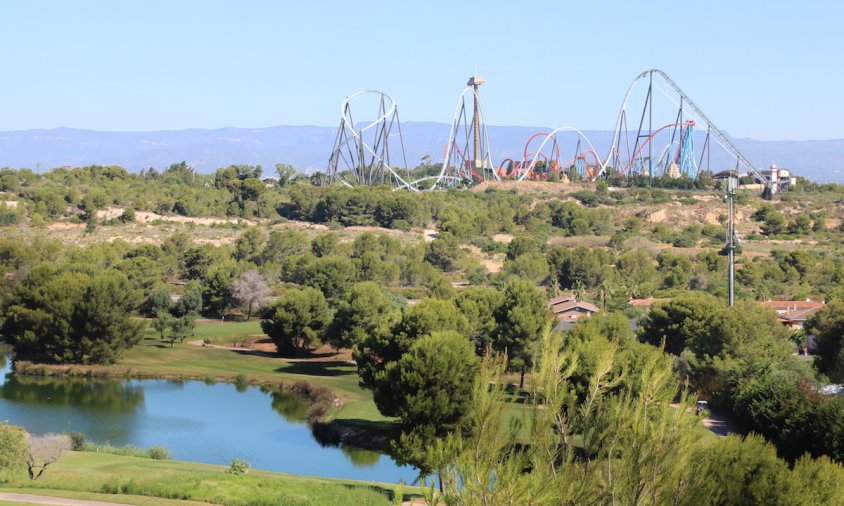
<point x="308" y="148"/>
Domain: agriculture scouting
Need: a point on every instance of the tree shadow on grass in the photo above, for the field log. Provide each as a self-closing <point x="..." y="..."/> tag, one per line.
<point x="389" y="492"/>
<point x="255" y="353"/>
<point x="337" y="368"/>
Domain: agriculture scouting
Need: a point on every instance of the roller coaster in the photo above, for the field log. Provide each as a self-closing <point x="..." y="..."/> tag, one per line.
<point x="659" y="141"/>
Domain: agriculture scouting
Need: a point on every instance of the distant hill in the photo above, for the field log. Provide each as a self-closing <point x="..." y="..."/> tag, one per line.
<point x="308" y="148"/>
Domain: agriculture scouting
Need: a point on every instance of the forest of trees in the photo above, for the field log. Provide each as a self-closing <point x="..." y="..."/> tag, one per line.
<point x="444" y="344"/>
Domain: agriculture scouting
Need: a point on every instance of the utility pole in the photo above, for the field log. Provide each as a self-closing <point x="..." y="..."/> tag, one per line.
<point x="732" y="181"/>
<point x="650" y="125"/>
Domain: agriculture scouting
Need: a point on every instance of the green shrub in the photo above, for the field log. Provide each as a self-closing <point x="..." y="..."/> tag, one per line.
<point x="158" y="453"/>
<point x="238" y="467"/>
<point x="241" y="382"/>
<point x="77" y="441"/>
<point x="685" y="241"/>
<point x="9" y="215"/>
<point x="402" y="225"/>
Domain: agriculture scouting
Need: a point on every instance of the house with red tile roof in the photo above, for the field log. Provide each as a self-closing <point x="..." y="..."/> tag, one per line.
<point x="568" y="309"/>
<point x="794" y="313"/>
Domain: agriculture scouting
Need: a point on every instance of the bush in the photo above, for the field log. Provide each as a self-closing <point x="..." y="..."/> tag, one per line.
<point x="13" y="447"/>
<point x="685" y="241"/>
<point x="241" y="382"/>
<point x="402" y="225"/>
<point x="128" y="215"/>
<point x="158" y="453"/>
<point x="9" y="215"/>
<point x="77" y="441"/>
<point x="238" y="467"/>
<point x="322" y="402"/>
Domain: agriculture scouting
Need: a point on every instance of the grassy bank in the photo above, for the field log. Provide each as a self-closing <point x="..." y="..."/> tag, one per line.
<point x="133" y="480"/>
<point x="155" y="358"/>
<point x="151" y="355"/>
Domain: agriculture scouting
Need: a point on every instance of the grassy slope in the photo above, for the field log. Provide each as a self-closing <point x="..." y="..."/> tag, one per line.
<point x="224" y="333"/>
<point x="113" y="474"/>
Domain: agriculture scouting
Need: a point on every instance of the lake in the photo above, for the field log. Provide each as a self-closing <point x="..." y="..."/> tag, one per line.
<point x="195" y="421"/>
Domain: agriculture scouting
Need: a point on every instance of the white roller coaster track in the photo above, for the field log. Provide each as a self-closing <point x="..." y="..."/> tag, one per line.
<point x="452" y="137"/>
<point x="346" y="122"/>
<point x="719" y="136"/>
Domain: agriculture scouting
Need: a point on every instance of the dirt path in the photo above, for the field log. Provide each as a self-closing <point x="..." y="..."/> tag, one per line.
<point x="53" y="501"/>
<point x="719" y="424"/>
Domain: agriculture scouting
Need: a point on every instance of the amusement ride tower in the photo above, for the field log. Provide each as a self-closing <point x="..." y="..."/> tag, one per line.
<point x="475" y="82"/>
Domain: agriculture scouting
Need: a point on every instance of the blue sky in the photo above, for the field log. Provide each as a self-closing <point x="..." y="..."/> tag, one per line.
<point x="769" y="70"/>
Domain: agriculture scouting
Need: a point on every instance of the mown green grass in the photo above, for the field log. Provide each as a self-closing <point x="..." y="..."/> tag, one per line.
<point x="156" y="357"/>
<point x="225" y="333"/>
<point x="126" y="478"/>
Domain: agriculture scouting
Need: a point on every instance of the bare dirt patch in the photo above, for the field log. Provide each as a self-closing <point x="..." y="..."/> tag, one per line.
<point x="414" y="235"/>
<point x="63" y="225"/>
<point x="503" y="238"/>
<point x="215" y="242"/>
<point x="676" y="214"/>
<point x="376" y="230"/>
<point x="148" y="217"/>
<point x="301" y="225"/>
<point x="526" y="186"/>
<point x="133" y="233"/>
<point x="492" y="262"/>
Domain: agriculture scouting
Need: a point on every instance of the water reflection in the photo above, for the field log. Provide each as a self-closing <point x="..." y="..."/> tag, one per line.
<point x="211" y="423"/>
<point x="292" y="406"/>
<point x="93" y="396"/>
<point x="360" y="457"/>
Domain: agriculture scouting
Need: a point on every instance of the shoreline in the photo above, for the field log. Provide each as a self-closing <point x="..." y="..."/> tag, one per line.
<point x="324" y="402"/>
<point x="141" y="481"/>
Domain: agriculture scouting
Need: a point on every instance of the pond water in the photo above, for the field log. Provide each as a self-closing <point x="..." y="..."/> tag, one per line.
<point x="195" y="421"/>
